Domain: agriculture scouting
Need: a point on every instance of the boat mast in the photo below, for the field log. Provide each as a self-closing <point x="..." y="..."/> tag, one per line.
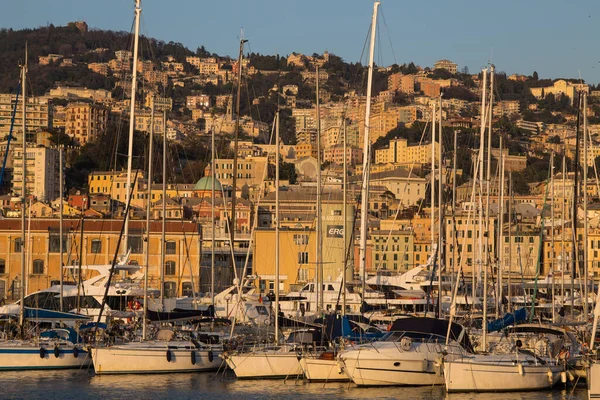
<point x="481" y="261"/>
<point x="235" y="155"/>
<point x="163" y="244"/>
<point x="148" y="207"/>
<point x="487" y="252"/>
<point x="345" y="216"/>
<point x="23" y="191"/>
<point x="585" y="206"/>
<point x="319" y="260"/>
<point x="500" y="258"/>
<point x="128" y="192"/>
<point x="576" y="188"/>
<point x="563" y="254"/>
<point x="552" y="238"/>
<point x="510" y="198"/>
<point x="277" y="229"/>
<point x="432" y="184"/>
<point x="454" y="233"/>
<point x="440" y="213"/>
<point x="364" y="203"/>
<point x="60" y="221"/>
<point x="480" y="157"/>
<point x="212" y="219"/>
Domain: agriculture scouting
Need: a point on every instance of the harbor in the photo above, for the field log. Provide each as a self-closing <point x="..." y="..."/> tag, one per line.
<point x="204" y="226"/>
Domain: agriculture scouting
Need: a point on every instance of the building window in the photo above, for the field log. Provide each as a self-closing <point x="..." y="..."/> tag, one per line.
<point x="300" y="239"/>
<point x="2" y="266"/>
<point x="187" y="289"/>
<point x="170" y="289"/>
<point x="170" y="268"/>
<point x="38" y="267"/>
<point x="54" y="242"/>
<point x="135" y="243"/>
<point x="303" y="257"/>
<point x="96" y="246"/>
<point x="303" y="274"/>
<point x="170" y="247"/>
<point x="18" y="247"/>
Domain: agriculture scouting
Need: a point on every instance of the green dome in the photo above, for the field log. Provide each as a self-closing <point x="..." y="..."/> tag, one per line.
<point x="206" y="184"/>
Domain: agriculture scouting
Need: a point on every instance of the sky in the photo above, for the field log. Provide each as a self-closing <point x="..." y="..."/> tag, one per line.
<point x="556" y="38"/>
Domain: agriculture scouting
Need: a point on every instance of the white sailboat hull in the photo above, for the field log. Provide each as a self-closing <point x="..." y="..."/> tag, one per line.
<point x="468" y="376"/>
<point x="264" y="365"/>
<point x="323" y="370"/>
<point x="593" y="381"/>
<point x="374" y="367"/>
<point x="153" y="359"/>
<point x="29" y="357"/>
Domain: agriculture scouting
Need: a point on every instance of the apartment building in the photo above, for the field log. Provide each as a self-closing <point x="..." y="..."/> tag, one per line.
<point x="84" y="122"/>
<point x="42" y="172"/>
<point x="38" y="114"/>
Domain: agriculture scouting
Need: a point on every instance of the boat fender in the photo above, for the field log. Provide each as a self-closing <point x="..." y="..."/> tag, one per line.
<point x="520" y="369"/>
<point x="570" y="376"/>
<point x="193" y="355"/>
<point x="75" y="352"/>
<point x="340" y="367"/>
<point x="210" y="356"/>
<point x="168" y="355"/>
<point x="405" y="343"/>
<point x="550" y="377"/>
<point x="563" y="377"/>
<point x="42" y="352"/>
<point x="56" y="351"/>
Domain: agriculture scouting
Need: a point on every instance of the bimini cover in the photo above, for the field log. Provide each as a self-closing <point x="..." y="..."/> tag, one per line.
<point x="433" y="326"/>
<point x="508" y="320"/>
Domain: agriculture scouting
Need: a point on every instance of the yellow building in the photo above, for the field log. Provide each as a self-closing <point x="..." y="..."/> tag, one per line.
<point x="297" y="257"/>
<point x="182" y="252"/>
<point x="400" y="152"/>
<point x="114" y="184"/>
<point x="392" y="250"/>
<point x="466" y="245"/>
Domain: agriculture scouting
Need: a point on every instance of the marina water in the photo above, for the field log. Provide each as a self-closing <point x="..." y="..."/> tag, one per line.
<point x="65" y="385"/>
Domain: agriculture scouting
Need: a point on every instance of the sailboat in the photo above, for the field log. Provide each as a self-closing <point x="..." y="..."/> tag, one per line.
<point x="276" y="360"/>
<point x="168" y="352"/>
<point x="52" y="349"/>
<point x="325" y="366"/>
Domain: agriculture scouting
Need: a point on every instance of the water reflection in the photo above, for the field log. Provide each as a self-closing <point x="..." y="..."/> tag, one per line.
<point x="84" y="384"/>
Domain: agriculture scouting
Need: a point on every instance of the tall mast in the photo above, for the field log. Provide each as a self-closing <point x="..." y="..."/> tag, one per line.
<point x="454" y="233"/>
<point x="235" y="155"/>
<point x="487" y="252"/>
<point x="164" y="211"/>
<point x="60" y="228"/>
<point x="319" y="260"/>
<point x="364" y="202"/>
<point x="432" y="184"/>
<point x="440" y="213"/>
<point x="576" y="188"/>
<point x="552" y="238"/>
<point x="481" y="152"/>
<point x="500" y="232"/>
<point x="148" y="207"/>
<point x="23" y="190"/>
<point x="212" y="218"/>
<point x="138" y="11"/>
<point x="482" y="257"/>
<point x="277" y="229"/>
<point x="563" y="253"/>
<point x="585" y="205"/>
<point x="345" y="216"/>
<point x="510" y="219"/>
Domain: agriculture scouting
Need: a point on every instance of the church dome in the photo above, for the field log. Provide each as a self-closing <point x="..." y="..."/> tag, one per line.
<point x="205" y="184"/>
